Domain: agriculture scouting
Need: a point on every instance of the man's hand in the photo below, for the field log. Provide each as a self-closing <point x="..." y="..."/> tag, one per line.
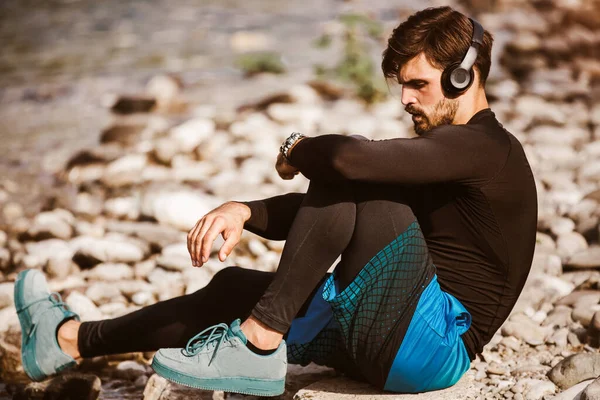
<point x="285" y="170"/>
<point x="227" y="219"/>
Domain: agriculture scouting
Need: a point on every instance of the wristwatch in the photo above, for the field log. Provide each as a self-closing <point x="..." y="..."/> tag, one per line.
<point x="289" y="142"/>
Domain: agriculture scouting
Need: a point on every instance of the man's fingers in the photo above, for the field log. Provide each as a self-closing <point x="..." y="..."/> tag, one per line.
<point x="208" y="239"/>
<point x="190" y="236"/>
<point x="231" y="239"/>
<point x="200" y="240"/>
<point x="194" y="240"/>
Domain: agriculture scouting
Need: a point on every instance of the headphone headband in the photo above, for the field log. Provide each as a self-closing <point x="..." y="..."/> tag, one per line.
<point x="477" y="32"/>
<point x="477" y="40"/>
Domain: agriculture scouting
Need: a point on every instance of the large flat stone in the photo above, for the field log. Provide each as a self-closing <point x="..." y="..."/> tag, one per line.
<point x="342" y="388"/>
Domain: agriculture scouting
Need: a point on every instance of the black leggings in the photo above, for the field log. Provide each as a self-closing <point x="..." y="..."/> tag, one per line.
<point x="354" y="220"/>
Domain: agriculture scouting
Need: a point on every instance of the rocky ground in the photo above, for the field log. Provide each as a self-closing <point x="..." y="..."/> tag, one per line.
<point x="111" y="233"/>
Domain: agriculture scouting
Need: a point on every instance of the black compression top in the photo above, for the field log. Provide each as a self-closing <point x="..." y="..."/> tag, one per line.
<point x="473" y="192"/>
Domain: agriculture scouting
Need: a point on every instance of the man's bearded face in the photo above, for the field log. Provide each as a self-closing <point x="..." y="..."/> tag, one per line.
<point x="441" y="113"/>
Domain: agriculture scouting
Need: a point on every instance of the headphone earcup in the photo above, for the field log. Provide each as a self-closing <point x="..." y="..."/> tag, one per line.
<point x="448" y="86"/>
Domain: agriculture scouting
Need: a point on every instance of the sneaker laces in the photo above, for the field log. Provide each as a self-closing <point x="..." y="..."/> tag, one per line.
<point x="55" y="300"/>
<point x="213" y="334"/>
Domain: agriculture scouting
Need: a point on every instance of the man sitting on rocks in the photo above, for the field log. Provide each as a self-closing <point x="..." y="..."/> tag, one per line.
<point x="436" y="236"/>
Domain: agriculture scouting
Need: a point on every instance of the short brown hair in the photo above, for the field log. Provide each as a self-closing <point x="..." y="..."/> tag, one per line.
<point x="442" y="34"/>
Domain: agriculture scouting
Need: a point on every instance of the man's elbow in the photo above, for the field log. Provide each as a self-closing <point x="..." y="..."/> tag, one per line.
<point x="344" y="162"/>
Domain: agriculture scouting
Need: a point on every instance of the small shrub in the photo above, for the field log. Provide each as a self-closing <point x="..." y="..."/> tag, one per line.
<point x="255" y="63"/>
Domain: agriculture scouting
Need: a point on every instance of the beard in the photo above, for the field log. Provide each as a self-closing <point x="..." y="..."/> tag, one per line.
<point x="443" y="113"/>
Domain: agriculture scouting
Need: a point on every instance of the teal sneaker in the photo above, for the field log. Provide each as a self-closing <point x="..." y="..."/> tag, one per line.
<point x="217" y="359"/>
<point x="40" y="314"/>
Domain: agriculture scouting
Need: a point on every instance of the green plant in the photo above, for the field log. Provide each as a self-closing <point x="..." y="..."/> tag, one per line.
<point x="356" y="65"/>
<point x="254" y="63"/>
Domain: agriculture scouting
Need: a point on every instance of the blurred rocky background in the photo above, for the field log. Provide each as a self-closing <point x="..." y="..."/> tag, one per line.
<point x="123" y="122"/>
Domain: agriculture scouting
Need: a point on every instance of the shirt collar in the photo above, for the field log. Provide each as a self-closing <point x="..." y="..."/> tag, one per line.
<point x="481" y="114"/>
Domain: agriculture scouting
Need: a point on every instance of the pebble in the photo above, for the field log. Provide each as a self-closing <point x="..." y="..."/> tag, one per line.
<point x="6" y="294"/>
<point x="592" y="391"/>
<point x="90" y="251"/>
<point x="68" y="386"/>
<point x="83" y="306"/>
<point x="110" y="272"/>
<point x="589" y="258"/>
<point x="574" y="369"/>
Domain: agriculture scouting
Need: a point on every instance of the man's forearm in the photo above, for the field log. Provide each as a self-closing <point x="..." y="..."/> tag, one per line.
<point x="271" y="218"/>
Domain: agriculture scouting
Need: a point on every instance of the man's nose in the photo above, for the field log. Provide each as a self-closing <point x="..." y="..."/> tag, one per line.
<point x="408" y="96"/>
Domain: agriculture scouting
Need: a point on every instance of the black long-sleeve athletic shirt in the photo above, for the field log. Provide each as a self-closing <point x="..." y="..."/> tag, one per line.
<point x="472" y="190"/>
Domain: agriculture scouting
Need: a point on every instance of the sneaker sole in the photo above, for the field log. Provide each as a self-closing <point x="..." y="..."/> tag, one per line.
<point x="28" y="359"/>
<point x="250" y="386"/>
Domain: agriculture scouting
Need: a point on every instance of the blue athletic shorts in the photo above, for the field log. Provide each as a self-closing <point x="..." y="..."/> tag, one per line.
<point x="432" y="355"/>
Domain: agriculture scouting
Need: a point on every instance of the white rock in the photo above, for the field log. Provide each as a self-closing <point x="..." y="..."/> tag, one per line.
<point x="113" y="310"/>
<point x="553" y="287"/>
<point x="88" y="205"/>
<point x="574" y="392"/>
<point x="304" y="94"/>
<point x="180" y="209"/>
<point x="102" y="293"/>
<point x="85" y="228"/>
<point x="195" y="172"/>
<point x="83" y="306"/>
<point x="6" y="294"/>
<point x="108" y="249"/>
<point x="544" y="241"/>
<point x="123" y="207"/>
<point x="60" y="267"/>
<point x="561" y="226"/>
<point x="211" y="149"/>
<point x="5" y="258"/>
<point x="191" y="133"/>
<point x="52" y="224"/>
<point x="167" y="284"/>
<point x="560" y="317"/>
<point x="559" y="337"/>
<point x="165" y="149"/>
<point x="130" y="287"/>
<point x="156" y="173"/>
<point x="86" y="173"/>
<point x="3" y="238"/>
<point x="32" y="261"/>
<point x="175" y="257"/>
<point x="110" y="272"/>
<point x="539" y="390"/>
<point x="12" y="211"/>
<point x="126" y="170"/>
<point x="570" y="243"/>
<point x="535" y="107"/>
<point x="164" y="89"/>
<point x="521" y="327"/>
<point x="552" y="156"/>
<point x="589" y="258"/>
<point x="70" y="282"/>
<point x="51" y="248"/>
<point x="390" y="129"/>
<point x="308" y="116"/>
<point x="242" y="41"/>
<point x="143" y="298"/>
<point x="256" y="247"/>
<point x="143" y="269"/>
<point x="254" y="126"/>
<point x="197" y="278"/>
